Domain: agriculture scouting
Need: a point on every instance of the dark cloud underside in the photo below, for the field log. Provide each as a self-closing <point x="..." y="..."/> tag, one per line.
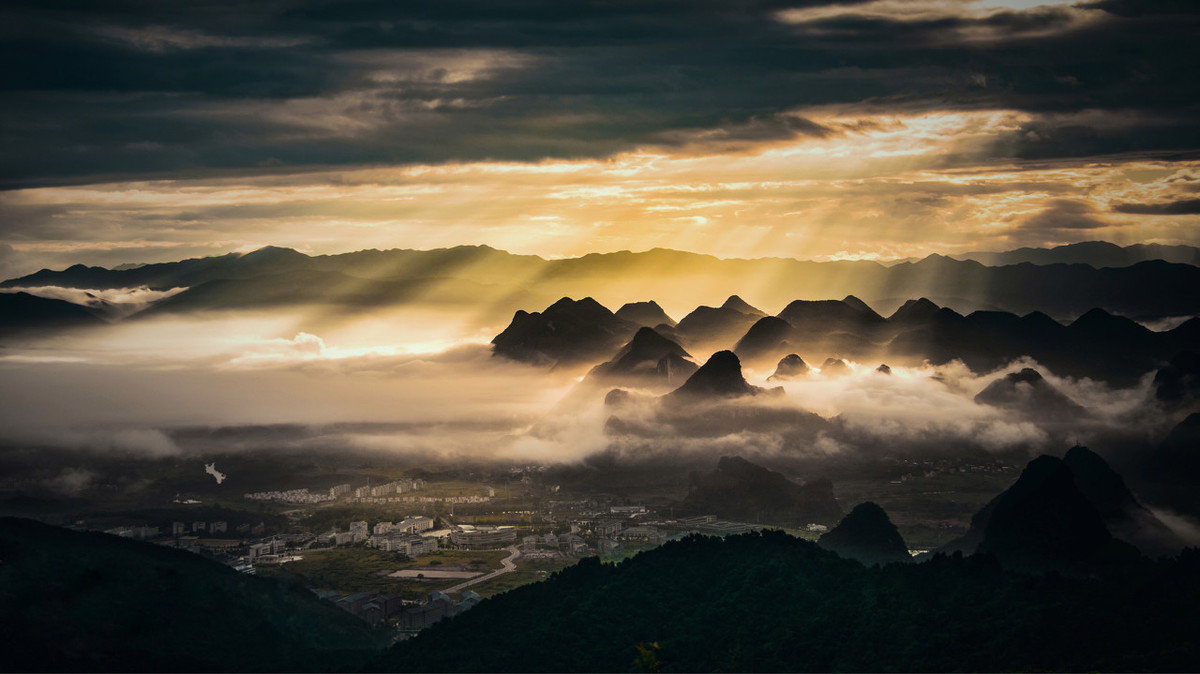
<point x="118" y="88"/>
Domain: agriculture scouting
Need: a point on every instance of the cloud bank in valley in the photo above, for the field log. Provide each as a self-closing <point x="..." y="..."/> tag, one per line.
<point x="116" y="398"/>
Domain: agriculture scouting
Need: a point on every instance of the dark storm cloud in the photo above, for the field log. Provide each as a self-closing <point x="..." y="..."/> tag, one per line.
<point x="1064" y="215"/>
<point x="1183" y="207"/>
<point x="123" y="88"/>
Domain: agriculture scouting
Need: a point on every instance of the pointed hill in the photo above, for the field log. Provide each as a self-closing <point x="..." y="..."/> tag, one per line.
<point x="649" y="358"/>
<point x="738" y="304"/>
<point x="1045" y="521"/>
<point x="743" y="491"/>
<point x="647" y="314"/>
<point x="720" y="377"/>
<point x="914" y="311"/>
<point x="568" y="331"/>
<point x="768" y="337"/>
<point x="1028" y="392"/>
<point x="789" y="367"/>
<point x="866" y="535"/>
<point x="834" y="367"/>
<point x="717" y="325"/>
<point x="92" y="602"/>
<point x="1125" y="517"/>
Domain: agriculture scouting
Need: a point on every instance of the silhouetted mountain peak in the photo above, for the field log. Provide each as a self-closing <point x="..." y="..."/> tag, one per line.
<point x="855" y="303"/>
<point x="1098" y="321"/>
<point x="738" y="304"/>
<point x="1029" y="391"/>
<point x="1098" y="482"/>
<point x="568" y="330"/>
<point x="720" y="377"/>
<point x="789" y="366"/>
<point x="739" y="489"/>
<point x="830" y="314"/>
<point x="766" y="337"/>
<point x="914" y="311"/>
<point x="1044" y="520"/>
<point x="273" y="253"/>
<point x="867" y="535"/>
<point x="834" y="366"/>
<point x="648" y="338"/>
<point x="644" y="313"/>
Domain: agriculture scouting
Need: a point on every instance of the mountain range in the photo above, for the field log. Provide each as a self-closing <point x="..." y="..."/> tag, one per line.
<point x="503" y="281"/>
<point x="1098" y="344"/>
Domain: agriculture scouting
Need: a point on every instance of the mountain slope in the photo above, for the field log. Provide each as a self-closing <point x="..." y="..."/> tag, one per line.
<point x="22" y="313"/>
<point x="94" y="602"/>
<point x="568" y="331"/>
<point x="771" y="602"/>
<point x="741" y="490"/>
<point x="867" y="535"/>
<point x="648" y="359"/>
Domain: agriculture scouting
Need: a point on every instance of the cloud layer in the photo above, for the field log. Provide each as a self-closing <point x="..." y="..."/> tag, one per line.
<point x="797" y="128"/>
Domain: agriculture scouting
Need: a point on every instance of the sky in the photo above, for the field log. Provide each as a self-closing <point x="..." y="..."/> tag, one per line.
<point x="141" y="131"/>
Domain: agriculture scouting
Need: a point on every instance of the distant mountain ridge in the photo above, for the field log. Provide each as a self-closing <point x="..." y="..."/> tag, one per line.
<point x="1093" y="253"/>
<point x="1098" y="344"/>
<point x="1146" y="287"/>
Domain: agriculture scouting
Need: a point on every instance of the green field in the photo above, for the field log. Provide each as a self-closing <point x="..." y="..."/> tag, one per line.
<point x="362" y="569"/>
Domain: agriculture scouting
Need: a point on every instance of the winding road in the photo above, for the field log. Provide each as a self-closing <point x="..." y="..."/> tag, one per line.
<point x="506" y="564"/>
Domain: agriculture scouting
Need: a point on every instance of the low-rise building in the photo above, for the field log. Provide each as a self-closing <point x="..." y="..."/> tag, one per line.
<point x="468" y="536"/>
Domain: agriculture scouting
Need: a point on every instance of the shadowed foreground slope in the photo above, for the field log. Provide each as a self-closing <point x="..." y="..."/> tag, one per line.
<point x="72" y="601"/>
<point x="771" y="602"/>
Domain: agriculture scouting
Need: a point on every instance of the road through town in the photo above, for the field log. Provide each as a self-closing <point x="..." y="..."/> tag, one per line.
<point x="506" y="564"/>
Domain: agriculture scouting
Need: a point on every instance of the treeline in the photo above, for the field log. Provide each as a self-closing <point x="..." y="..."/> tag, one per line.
<point x="771" y="602"/>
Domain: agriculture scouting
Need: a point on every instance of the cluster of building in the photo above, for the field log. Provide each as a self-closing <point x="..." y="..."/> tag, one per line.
<point x="298" y="496"/>
<point x="365" y="494"/>
<point x="404" y="536"/>
<point x="138" y="532"/>
<point x="183" y="529"/>
<point x="473" y="537"/>
<point x="383" y="493"/>
<point x="375" y="607"/>
<point x="449" y="499"/>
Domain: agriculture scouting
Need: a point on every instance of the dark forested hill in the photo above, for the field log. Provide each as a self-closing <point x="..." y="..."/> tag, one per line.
<point x="90" y="602"/>
<point x="771" y="602"/>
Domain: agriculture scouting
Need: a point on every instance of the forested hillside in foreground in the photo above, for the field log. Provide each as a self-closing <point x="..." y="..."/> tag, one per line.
<point x="772" y="602"/>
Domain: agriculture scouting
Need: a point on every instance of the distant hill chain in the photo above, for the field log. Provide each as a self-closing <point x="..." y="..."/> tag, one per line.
<point x="1098" y="344"/>
<point x="1065" y="282"/>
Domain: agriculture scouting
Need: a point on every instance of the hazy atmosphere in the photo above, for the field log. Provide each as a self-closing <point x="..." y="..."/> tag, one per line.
<point x="366" y="314"/>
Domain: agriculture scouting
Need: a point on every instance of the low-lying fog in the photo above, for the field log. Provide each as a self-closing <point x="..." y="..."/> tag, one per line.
<point x="425" y="381"/>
